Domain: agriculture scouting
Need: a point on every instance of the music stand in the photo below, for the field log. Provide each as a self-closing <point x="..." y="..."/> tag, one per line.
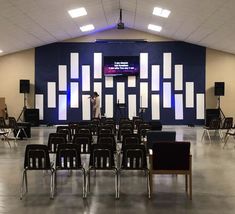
<point x="141" y="112"/>
<point x="220" y="110"/>
<point x="23" y="110"/>
<point x="120" y="110"/>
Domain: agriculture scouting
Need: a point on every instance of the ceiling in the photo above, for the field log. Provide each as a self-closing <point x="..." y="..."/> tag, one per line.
<point x="27" y="24"/>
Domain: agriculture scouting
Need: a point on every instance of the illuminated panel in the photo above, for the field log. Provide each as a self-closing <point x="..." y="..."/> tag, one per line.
<point x="74" y="65"/>
<point x="167" y="65"/>
<point x="39" y="105"/>
<point x="62" y="78"/>
<point x="131" y="81"/>
<point x="131" y="106"/>
<point x="97" y="65"/>
<point x="109" y="82"/>
<point x="144" y="95"/>
<point x="179" y="108"/>
<point x="98" y="89"/>
<point x="109" y="105"/>
<point x="62" y="107"/>
<point x="155" y="77"/>
<point x="155" y="107"/>
<point x="200" y="107"/>
<point x="189" y="91"/>
<point x="51" y="95"/>
<point x="86" y="107"/>
<point x="166" y="95"/>
<point x="178" y="77"/>
<point x="86" y="78"/>
<point x="74" y="95"/>
<point x="120" y="92"/>
<point x="143" y="65"/>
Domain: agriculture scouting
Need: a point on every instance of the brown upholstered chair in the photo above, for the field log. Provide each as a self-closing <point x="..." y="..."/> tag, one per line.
<point x="172" y="158"/>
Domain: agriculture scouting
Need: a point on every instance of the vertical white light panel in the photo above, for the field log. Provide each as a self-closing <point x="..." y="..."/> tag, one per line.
<point x="62" y="107"/>
<point x="179" y="107"/>
<point x="167" y="65"/>
<point x="143" y="65"/>
<point x="200" y="107"/>
<point x="189" y="91"/>
<point x="109" y="105"/>
<point x="98" y="89"/>
<point x="51" y="95"/>
<point x="74" y="65"/>
<point x="155" y="77"/>
<point x="178" y="77"/>
<point x="120" y="92"/>
<point x="109" y="82"/>
<point x="155" y="107"/>
<point x="74" y="95"/>
<point x="86" y="78"/>
<point x="131" y="81"/>
<point x="62" y="77"/>
<point x="144" y="95"/>
<point x="131" y="106"/>
<point x="166" y="95"/>
<point x="86" y="107"/>
<point x="97" y="65"/>
<point x="39" y="105"/>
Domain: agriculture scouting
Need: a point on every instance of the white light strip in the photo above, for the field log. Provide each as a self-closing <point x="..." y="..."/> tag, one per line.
<point x="86" y="78"/>
<point x="86" y="107"/>
<point x="51" y="95"/>
<point x="74" y="95"/>
<point x="166" y="95"/>
<point x="155" y="107"/>
<point x="179" y="109"/>
<point x="86" y="28"/>
<point x="98" y="89"/>
<point x="158" y="11"/>
<point x="62" y="77"/>
<point x="178" y="77"/>
<point x="74" y="65"/>
<point x="154" y="27"/>
<point x="77" y="12"/>
<point x="143" y="65"/>
<point x="167" y="65"/>
<point x="97" y="65"/>
<point x="131" y="81"/>
<point x="109" y="105"/>
<point x="131" y="106"/>
<point x="155" y="77"/>
<point x="39" y="105"/>
<point x="62" y="107"/>
<point x="120" y="92"/>
<point x="200" y="107"/>
<point x="189" y="92"/>
<point x="143" y="95"/>
<point x="108" y="82"/>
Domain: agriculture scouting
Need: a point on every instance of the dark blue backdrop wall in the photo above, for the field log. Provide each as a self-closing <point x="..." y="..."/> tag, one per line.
<point x="170" y="87"/>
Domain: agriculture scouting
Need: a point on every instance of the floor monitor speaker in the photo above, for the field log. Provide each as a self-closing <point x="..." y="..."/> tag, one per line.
<point x="211" y="114"/>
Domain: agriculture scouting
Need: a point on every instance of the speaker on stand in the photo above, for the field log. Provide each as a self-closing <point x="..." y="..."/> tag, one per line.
<point x="219" y="91"/>
<point x="24" y="89"/>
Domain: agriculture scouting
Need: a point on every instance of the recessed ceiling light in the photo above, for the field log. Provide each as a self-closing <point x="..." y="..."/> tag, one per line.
<point x="87" y="28"/>
<point x="154" y="27"/>
<point x="77" y="12"/>
<point x="1" y="51"/>
<point x="158" y="11"/>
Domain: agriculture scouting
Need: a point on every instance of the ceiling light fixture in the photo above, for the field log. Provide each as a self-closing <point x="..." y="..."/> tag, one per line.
<point x="158" y="11"/>
<point x="1" y="51"/>
<point x="87" y="28"/>
<point x="77" y="12"/>
<point x="154" y="27"/>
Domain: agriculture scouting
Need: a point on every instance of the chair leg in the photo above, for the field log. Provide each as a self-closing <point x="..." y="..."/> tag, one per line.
<point x="26" y="181"/>
<point x="190" y="185"/>
<point x="88" y="181"/>
<point x="186" y="183"/>
<point x="116" y="184"/>
<point x="22" y="186"/>
<point x="148" y="184"/>
<point x="52" y="185"/>
<point x="84" y="194"/>
<point x="208" y="134"/>
<point x="225" y="141"/>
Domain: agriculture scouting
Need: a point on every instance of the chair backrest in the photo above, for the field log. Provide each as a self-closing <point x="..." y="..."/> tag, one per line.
<point x="54" y="140"/>
<point x="107" y="139"/>
<point x="143" y="128"/>
<point x="68" y="157"/>
<point x="123" y="132"/>
<point x="2" y="122"/>
<point x="73" y="127"/>
<point x="215" y="123"/>
<point x="228" y="123"/>
<point x="12" y="122"/>
<point x="134" y="157"/>
<point x="102" y="156"/>
<point x="137" y="121"/>
<point x="131" y="139"/>
<point x="66" y="130"/>
<point x="37" y="157"/>
<point x="84" y="129"/>
<point x="171" y="156"/>
<point x="84" y="142"/>
<point x="159" y="136"/>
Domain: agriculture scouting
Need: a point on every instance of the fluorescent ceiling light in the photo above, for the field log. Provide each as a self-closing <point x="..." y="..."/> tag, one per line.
<point x="77" y="12"/>
<point x="154" y="27"/>
<point x="1" y="51"/>
<point x="158" y="11"/>
<point x="87" y="28"/>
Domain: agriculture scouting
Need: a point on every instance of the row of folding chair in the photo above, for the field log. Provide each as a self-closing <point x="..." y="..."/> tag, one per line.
<point x="68" y="157"/>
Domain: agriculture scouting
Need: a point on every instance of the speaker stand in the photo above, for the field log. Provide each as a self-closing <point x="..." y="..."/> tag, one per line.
<point x="23" y="110"/>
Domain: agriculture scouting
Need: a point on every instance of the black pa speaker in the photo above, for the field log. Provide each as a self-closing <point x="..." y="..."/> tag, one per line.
<point x="32" y="116"/>
<point x="24" y="86"/>
<point x="219" y="88"/>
